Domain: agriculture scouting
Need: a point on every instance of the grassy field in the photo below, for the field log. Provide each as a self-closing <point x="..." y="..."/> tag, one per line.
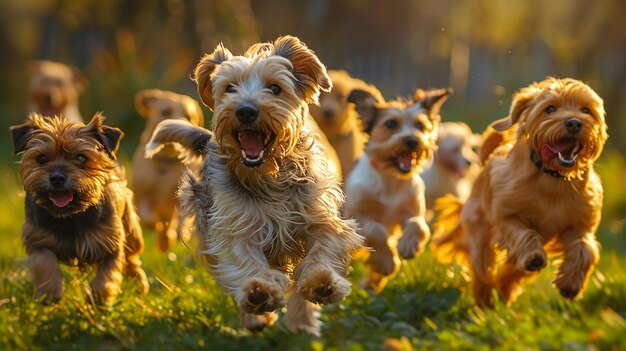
<point x="427" y="306"/>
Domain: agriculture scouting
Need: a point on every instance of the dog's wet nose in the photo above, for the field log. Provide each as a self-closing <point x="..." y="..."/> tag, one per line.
<point x="57" y="179"/>
<point x="328" y="113"/>
<point x="247" y="114"/>
<point x="411" y="143"/>
<point x="573" y="125"/>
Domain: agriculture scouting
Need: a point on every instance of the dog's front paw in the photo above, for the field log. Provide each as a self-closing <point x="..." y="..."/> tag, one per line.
<point x="254" y="322"/>
<point x="408" y="246"/>
<point x="384" y="262"/>
<point x="322" y="285"/>
<point x="259" y="296"/>
<point x="535" y="261"/>
<point x="569" y="287"/>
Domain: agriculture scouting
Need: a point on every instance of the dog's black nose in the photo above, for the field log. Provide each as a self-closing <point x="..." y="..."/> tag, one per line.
<point x="57" y="179"/>
<point x="573" y="125"/>
<point x="328" y="113"/>
<point x="247" y="114"/>
<point x="411" y="143"/>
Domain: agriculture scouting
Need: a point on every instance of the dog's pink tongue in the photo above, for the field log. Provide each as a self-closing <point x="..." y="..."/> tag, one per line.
<point x="251" y="142"/>
<point x="405" y="160"/>
<point x="549" y="152"/>
<point x="61" y="198"/>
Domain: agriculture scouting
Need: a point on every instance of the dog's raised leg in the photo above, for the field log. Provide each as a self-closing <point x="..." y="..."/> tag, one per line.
<point x="107" y="283"/>
<point x="581" y="256"/>
<point x="383" y="261"/>
<point x="524" y="245"/>
<point x="47" y="275"/>
<point x="415" y="235"/>
<point x="301" y="315"/>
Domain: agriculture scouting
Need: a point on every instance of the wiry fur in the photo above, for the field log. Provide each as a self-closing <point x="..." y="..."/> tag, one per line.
<point x="517" y="214"/>
<point x="99" y="224"/>
<point x="54" y="89"/>
<point x="155" y="180"/>
<point x="274" y="227"/>
<point x="384" y="191"/>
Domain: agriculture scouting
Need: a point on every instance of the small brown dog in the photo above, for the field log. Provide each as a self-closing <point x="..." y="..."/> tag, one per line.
<point x="537" y="194"/>
<point x="54" y="89"/>
<point x="384" y="191"/>
<point x="337" y="116"/>
<point x="265" y="201"/>
<point x="155" y="180"/>
<point x="455" y="165"/>
<point x="78" y="208"/>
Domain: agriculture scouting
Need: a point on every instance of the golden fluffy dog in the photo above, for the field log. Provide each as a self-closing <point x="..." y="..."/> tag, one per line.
<point x="384" y="191"/>
<point x="265" y="203"/>
<point x="155" y="180"/>
<point x="78" y="208"/>
<point x="455" y="164"/>
<point x="337" y="116"/>
<point x="54" y="89"/>
<point x="537" y="194"/>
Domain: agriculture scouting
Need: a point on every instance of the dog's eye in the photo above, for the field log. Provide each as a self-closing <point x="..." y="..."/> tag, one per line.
<point x="586" y="110"/>
<point x="41" y="159"/>
<point x="230" y="88"/>
<point x="550" y="109"/>
<point x="419" y="125"/>
<point x="391" y="124"/>
<point x="275" y="89"/>
<point x="81" y="158"/>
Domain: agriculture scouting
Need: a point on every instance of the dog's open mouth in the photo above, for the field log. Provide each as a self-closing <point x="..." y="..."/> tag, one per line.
<point x="565" y="151"/>
<point x="405" y="161"/>
<point x="254" y="144"/>
<point x="61" y="198"/>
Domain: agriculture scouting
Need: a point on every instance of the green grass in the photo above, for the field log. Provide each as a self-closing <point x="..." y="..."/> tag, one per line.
<point x="427" y="306"/>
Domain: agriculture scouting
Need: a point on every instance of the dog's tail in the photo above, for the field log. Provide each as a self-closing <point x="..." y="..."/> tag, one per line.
<point x="449" y="241"/>
<point x="188" y="139"/>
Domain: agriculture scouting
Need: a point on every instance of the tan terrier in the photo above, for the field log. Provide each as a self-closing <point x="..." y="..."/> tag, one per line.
<point x="337" y="116"/>
<point x="78" y="208"/>
<point x="384" y="191"/>
<point x="155" y="181"/>
<point x="54" y="89"/>
<point x="455" y="164"/>
<point x="265" y="202"/>
<point x="537" y="194"/>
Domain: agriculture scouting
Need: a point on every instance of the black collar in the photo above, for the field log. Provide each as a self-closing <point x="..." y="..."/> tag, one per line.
<point x="539" y="164"/>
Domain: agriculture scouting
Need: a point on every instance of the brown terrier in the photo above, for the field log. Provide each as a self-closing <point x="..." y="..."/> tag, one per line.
<point x="155" y="180"/>
<point x="337" y="115"/>
<point x="384" y="191"/>
<point x="54" y="89"/>
<point x="265" y="202"/>
<point x="537" y="194"/>
<point x="455" y="165"/>
<point x="78" y="208"/>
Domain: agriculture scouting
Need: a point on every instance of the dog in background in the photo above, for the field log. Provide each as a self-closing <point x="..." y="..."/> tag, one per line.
<point x="384" y="192"/>
<point x="455" y="165"/>
<point x="78" y="208"/>
<point x="537" y="194"/>
<point x="54" y="89"/>
<point x="337" y="115"/>
<point x="155" y="181"/>
<point x="265" y="203"/>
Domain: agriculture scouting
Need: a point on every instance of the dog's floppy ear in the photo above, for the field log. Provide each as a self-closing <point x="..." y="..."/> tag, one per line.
<point x="368" y="116"/>
<point x="21" y="134"/>
<point x="202" y="73"/>
<point x="521" y="101"/>
<point x="363" y="100"/>
<point x="108" y="137"/>
<point x="143" y="99"/>
<point x="310" y="73"/>
<point x="433" y="99"/>
<point x="193" y="112"/>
